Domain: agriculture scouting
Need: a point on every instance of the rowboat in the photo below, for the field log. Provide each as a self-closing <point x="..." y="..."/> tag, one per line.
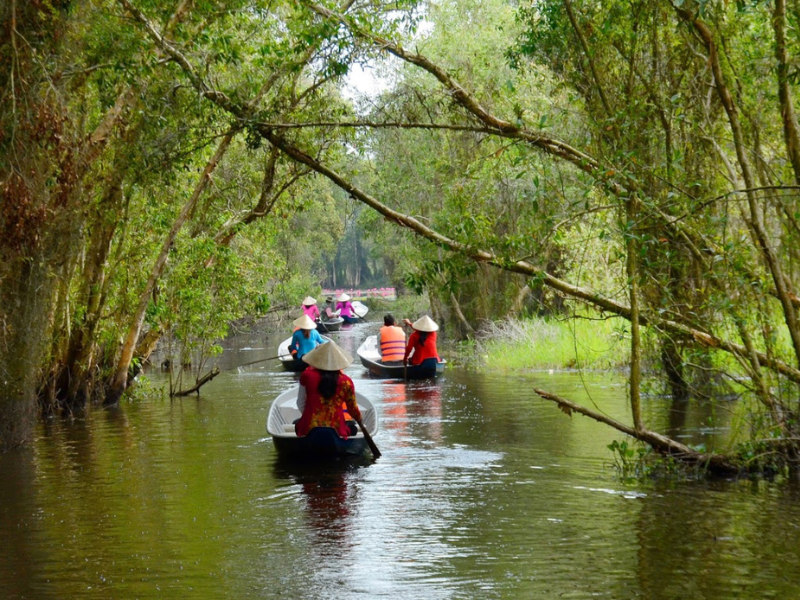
<point x="330" y="325"/>
<point x="320" y="442"/>
<point x="289" y="363"/>
<point x="370" y="356"/>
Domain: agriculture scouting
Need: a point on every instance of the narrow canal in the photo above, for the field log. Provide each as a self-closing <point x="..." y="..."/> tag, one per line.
<point x="483" y="491"/>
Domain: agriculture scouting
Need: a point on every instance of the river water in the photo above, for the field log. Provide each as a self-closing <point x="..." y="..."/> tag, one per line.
<point x="483" y="491"/>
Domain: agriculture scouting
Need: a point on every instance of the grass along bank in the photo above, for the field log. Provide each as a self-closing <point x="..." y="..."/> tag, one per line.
<point x="548" y="343"/>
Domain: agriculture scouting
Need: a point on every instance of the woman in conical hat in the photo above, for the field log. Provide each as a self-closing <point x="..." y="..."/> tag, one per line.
<point x="422" y="341"/>
<point x="310" y="308"/>
<point x="326" y="395"/>
<point x="305" y="338"/>
<point x="346" y="309"/>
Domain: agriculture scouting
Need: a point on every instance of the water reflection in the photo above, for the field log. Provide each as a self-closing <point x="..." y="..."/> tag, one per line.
<point x="327" y="499"/>
<point x="483" y="491"/>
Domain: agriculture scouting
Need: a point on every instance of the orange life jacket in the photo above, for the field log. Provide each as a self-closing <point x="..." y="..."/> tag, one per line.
<point x="393" y="343"/>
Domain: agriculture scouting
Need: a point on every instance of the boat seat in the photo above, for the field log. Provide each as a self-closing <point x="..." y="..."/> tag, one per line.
<point x="288" y="427"/>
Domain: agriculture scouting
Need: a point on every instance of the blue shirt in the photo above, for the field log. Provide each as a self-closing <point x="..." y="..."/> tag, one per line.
<point x="303" y="345"/>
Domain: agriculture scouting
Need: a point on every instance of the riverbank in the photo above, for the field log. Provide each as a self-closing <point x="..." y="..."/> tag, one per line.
<point x="549" y="343"/>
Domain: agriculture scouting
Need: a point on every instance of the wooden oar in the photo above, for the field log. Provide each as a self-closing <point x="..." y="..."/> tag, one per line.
<point x="370" y="442"/>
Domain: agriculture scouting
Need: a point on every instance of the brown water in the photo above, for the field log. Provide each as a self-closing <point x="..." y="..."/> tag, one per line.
<point x="483" y="491"/>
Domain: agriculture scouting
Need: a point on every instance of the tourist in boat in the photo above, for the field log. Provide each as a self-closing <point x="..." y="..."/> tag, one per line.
<point x="305" y="337"/>
<point x="422" y="341"/>
<point x="392" y="341"/>
<point x="345" y="308"/>
<point x="327" y="397"/>
<point x="310" y="308"/>
<point x="330" y="308"/>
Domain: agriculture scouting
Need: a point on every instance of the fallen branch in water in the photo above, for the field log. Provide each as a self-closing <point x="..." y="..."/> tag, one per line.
<point x="201" y="382"/>
<point x="715" y="463"/>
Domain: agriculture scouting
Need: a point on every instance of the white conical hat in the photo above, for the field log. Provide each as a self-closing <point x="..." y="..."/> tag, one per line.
<point x="304" y="322"/>
<point x="425" y="323"/>
<point x="328" y="357"/>
<point x="309" y="301"/>
<point x="343" y="298"/>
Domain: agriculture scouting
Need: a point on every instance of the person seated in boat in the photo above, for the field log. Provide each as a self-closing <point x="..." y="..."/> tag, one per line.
<point x="345" y="308"/>
<point x="422" y="341"/>
<point x="310" y="308"/>
<point x="330" y="308"/>
<point x="305" y="337"/>
<point x="325" y="392"/>
<point x="392" y="342"/>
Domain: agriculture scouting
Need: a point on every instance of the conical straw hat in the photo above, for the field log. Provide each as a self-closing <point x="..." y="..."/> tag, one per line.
<point x="304" y="322"/>
<point x="328" y="357"/>
<point x="425" y="323"/>
<point x="343" y="298"/>
<point x="309" y="301"/>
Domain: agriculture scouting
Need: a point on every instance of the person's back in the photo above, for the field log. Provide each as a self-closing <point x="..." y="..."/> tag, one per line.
<point x="325" y="392"/>
<point x="310" y="308"/>
<point x="422" y="342"/>
<point x="392" y="341"/>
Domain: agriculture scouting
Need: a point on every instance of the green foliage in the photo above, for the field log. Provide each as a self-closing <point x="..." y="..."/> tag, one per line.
<point x="548" y="343"/>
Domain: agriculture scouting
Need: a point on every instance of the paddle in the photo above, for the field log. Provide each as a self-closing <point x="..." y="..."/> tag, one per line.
<point x="259" y="361"/>
<point x="370" y="442"/>
<point x="405" y="361"/>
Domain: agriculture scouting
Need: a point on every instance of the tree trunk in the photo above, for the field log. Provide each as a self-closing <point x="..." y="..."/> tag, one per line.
<point x="120" y="380"/>
<point x="790" y="128"/>
<point x="673" y="366"/>
<point x="635" y="378"/>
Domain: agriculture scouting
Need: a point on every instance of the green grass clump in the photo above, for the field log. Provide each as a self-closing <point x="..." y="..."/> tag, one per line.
<point x="541" y="343"/>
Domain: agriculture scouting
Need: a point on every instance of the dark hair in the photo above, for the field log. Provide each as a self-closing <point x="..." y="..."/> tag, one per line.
<point x="328" y="382"/>
<point x="423" y="335"/>
<point x="306" y="333"/>
<point x="388" y="320"/>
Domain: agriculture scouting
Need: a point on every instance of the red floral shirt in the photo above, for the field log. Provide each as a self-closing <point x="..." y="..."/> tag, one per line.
<point x="327" y="412"/>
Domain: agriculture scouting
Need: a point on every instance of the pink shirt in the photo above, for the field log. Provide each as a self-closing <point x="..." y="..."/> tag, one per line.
<point x="312" y="311"/>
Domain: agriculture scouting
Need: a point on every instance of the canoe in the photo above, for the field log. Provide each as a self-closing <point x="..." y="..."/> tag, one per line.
<point x="370" y="357"/>
<point x="330" y="325"/>
<point x="321" y="442"/>
<point x="290" y="364"/>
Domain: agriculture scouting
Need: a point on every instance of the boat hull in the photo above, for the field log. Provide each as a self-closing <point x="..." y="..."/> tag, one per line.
<point x="321" y="442"/>
<point x="429" y="368"/>
<point x="294" y="365"/>
<point x="330" y="326"/>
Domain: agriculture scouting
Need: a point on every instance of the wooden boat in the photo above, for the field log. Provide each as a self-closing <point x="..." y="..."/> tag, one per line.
<point x="330" y="325"/>
<point x="294" y="365"/>
<point x="370" y="356"/>
<point x="321" y="442"/>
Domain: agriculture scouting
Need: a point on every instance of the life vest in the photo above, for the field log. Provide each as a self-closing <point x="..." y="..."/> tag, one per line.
<point x="393" y="343"/>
